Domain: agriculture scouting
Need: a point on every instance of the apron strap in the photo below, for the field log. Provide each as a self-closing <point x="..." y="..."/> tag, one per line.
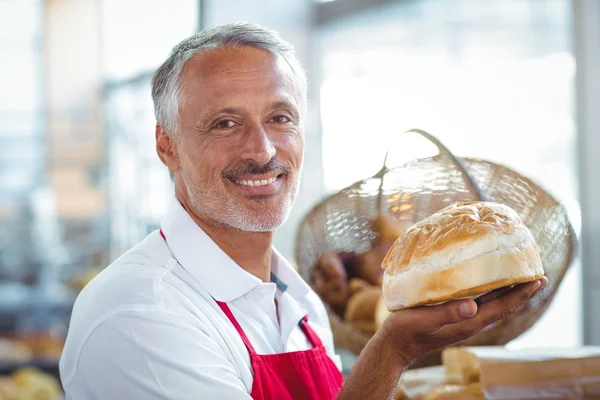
<point x="312" y="337"/>
<point x="237" y="326"/>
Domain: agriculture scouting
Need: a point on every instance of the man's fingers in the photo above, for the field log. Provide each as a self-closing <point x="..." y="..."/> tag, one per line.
<point x="464" y="318"/>
<point x="505" y="305"/>
<point x="500" y="292"/>
<point x="497" y="309"/>
<point x="439" y="326"/>
<point x="544" y="282"/>
<point x="452" y="313"/>
<point x="429" y="319"/>
<point x="494" y="294"/>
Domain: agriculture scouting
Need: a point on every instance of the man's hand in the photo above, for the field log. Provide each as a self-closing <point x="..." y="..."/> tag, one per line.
<point x="410" y="334"/>
<point x="415" y="332"/>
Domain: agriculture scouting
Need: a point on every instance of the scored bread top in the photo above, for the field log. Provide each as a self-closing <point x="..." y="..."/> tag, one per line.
<point x="451" y="229"/>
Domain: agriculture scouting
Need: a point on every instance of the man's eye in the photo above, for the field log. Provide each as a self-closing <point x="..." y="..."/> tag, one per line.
<point x="225" y="124"/>
<point x="281" y="119"/>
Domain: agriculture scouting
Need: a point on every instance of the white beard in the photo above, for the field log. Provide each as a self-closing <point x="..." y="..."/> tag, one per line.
<point x="228" y="211"/>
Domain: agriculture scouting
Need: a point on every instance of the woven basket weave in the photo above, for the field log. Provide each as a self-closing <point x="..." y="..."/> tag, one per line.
<point x="419" y="188"/>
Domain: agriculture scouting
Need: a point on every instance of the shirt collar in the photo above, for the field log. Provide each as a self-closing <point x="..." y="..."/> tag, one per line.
<point x="204" y="260"/>
<point x="286" y="278"/>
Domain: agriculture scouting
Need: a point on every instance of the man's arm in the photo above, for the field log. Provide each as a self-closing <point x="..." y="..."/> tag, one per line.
<point x="409" y="334"/>
<point x="152" y="355"/>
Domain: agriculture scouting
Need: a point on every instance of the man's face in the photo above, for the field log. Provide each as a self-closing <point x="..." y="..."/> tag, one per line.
<point x="241" y="140"/>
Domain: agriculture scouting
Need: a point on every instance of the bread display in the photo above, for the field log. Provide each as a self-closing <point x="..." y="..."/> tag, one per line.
<point x="30" y="384"/>
<point x="463" y="251"/>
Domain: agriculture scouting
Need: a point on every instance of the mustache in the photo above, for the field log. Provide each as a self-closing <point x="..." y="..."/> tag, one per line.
<point x="274" y="165"/>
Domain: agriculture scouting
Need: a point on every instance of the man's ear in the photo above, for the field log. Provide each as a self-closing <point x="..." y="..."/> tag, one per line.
<point x="166" y="148"/>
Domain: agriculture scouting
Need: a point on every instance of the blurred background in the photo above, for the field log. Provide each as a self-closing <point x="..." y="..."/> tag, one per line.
<point x="511" y="81"/>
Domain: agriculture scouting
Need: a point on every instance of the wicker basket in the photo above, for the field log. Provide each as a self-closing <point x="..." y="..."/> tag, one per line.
<point x="419" y="188"/>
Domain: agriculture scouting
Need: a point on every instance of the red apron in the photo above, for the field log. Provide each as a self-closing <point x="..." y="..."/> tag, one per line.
<point x="297" y="375"/>
<point x="308" y="374"/>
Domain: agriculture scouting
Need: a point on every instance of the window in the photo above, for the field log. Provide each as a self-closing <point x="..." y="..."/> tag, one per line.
<point x="135" y="44"/>
<point x="22" y="149"/>
<point x="139" y="34"/>
<point x="138" y="181"/>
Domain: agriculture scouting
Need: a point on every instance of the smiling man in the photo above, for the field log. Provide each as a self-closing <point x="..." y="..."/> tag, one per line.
<point x="205" y="308"/>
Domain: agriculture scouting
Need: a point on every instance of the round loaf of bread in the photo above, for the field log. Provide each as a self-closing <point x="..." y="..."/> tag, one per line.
<point x="462" y="251"/>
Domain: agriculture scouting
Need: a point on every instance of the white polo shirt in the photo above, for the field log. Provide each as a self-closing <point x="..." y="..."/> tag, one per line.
<point x="148" y="326"/>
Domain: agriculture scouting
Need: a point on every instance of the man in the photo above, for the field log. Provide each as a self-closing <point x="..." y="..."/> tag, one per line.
<point x="206" y="308"/>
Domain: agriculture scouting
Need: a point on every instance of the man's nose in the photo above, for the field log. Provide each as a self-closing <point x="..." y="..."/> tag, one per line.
<point x="258" y="146"/>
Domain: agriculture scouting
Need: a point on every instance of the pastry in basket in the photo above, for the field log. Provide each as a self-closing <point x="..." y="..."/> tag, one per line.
<point x="388" y="228"/>
<point x="330" y="280"/>
<point x="366" y="309"/>
<point x="463" y="251"/>
<point x="368" y="264"/>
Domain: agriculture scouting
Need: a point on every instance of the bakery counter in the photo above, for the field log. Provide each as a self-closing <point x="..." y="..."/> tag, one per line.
<point x="475" y="373"/>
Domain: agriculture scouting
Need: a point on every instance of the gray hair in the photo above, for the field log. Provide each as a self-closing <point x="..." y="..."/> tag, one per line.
<point x="166" y="82"/>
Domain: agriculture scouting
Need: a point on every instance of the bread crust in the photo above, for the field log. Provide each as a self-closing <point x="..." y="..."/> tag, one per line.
<point x="463" y="251"/>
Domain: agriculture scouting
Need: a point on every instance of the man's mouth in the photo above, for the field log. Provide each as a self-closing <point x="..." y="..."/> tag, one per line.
<point x="261" y="184"/>
<point x="256" y="182"/>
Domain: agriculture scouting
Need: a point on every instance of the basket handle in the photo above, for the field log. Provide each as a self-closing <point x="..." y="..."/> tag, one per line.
<point x="443" y="150"/>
